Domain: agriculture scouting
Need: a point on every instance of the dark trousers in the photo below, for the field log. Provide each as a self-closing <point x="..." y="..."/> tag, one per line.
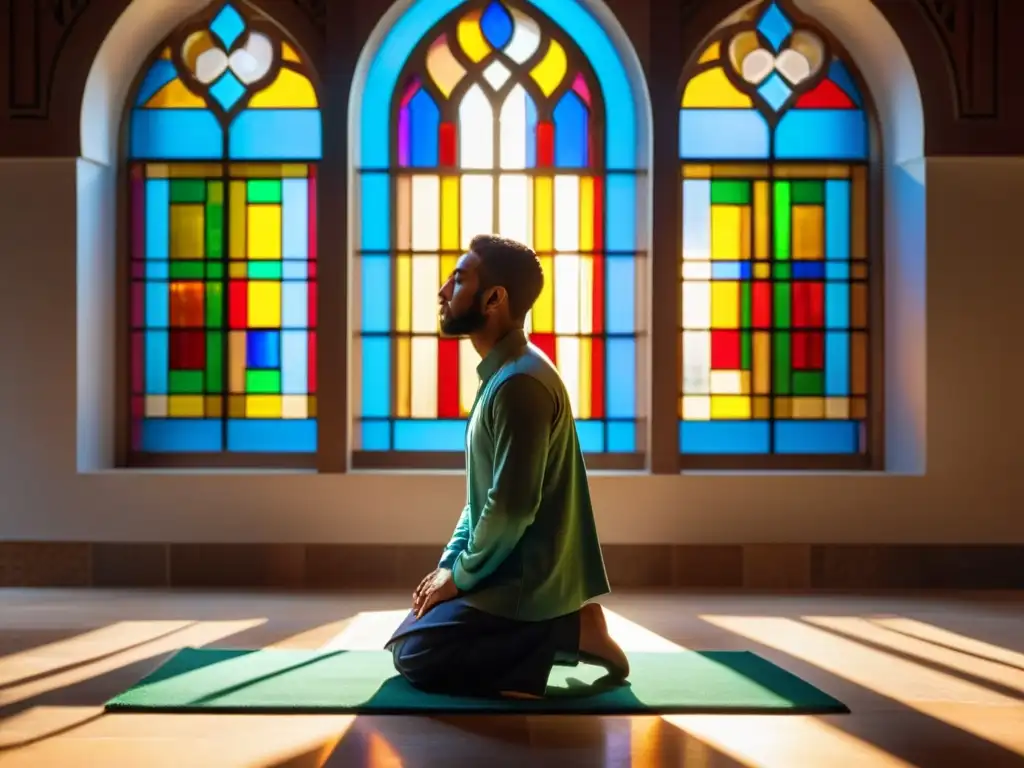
<point x="459" y="650"/>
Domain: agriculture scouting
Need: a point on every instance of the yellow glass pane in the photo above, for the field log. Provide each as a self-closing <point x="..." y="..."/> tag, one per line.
<point x="403" y="212"/>
<point x="859" y="217"/>
<point x="426" y="281"/>
<point x="837" y="407"/>
<point x="859" y="305"/>
<point x="859" y="363"/>
<point x="311" y="406"/>
<point x="586" y="214"/>
<point x="812" y="171"/>
<point x="543" y="314"/>
<point x="725" y="304"/>
<point x="762" y="271"/>
<point x="175" y="95"/>
<point x="730" y="382"/>
<point x="236" y="361"/>
<point x="762" y="354"/>
<point x="158" y="170"/>
<point x="403" y="377"/>
<point x="448" y="264"/>
<point x="188" y="233"/>
<point x="215" y="193"/>
<point x="745" y="235"/>
<point x="288" y="53"/>
<point x="586" y="377"/>
<point x="424" y="378"/>
<point x="165" y="53"/>
<point x="264" y="231"/>
<point x="726" y="231"/>
<point x="239" y="270"/>
<point x="426" y="213"/>
<point x="263" y="406"/>
<point x="264" y="304"/>
<point x="290" y="90"/>
<point x="236" y="407"/>
<point x="186" y="406"/>
<point x="740" y="171"/>
<point x="403" y="293"/>
<point x="761" y="229"/>
<point x="443" y="67"/>
<point x="450" y="214"/>
<point x="711" y="53"/>
<point x="730" y="407"/>
<point x="859" y="271"/>
<point x="194" y="170"/>
<point x="808" y="407"/>
<point x="214" y="407"/>
<point x="236" y="212"/>
<point x="469" y="379"/>
<point x="156" y="405"/>
<point x="808" y="232"/>
<point x="543" y="213"/>
<point x="858" y="408"/>
<point x="549" y="72"/>
<point x="294" y="407"/>
<point x="783" y="408"/>
<point x="696" y="171"/>
<point x="762" y="408"/>
<point x="294" y="170"/>
<point x="471" y="38"/>
<point x="586" y="294"/>
<point x="713" y="89"/>
<point x="567" y="352"/>
<point x="696" y="407"/>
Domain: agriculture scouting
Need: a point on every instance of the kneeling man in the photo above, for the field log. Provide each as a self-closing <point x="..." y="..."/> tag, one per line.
<point x="509" y="598"/>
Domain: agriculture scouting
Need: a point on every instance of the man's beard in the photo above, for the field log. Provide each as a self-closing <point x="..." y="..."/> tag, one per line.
<point x="470" y="321"/>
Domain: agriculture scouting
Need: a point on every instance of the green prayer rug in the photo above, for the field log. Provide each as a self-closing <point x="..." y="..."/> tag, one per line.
<point x="365" y="682"/>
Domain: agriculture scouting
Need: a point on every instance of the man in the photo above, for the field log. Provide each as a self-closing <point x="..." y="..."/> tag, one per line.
<point x="508" y="599"/>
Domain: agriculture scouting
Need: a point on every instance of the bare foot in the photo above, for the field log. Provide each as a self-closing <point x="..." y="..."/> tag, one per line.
<point x="596" y="643"/>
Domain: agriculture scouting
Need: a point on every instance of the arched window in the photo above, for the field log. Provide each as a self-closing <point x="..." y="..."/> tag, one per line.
<point x="222" y="139"/>
<point x="501" y="120"/>
<point x="776" y="259"/>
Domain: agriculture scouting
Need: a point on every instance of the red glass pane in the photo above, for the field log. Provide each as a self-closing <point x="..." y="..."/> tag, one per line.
<point x="448" y="378"/>
<point x="545" y="144"/>
<point x="826" y="95"/>
<point x="725" y="350"/>
<point x="238" y="300"/>
<point x="446" y="147"/>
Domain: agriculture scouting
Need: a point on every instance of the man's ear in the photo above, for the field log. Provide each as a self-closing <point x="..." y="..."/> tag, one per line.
<point x="496" y="296"/>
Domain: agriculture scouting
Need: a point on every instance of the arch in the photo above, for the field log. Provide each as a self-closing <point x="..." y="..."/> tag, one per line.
<point x="429" y="68"/>
<point x="782" y="158"/>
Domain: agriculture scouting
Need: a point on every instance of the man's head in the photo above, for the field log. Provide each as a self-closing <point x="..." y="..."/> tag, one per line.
<point x="494" y="285"/>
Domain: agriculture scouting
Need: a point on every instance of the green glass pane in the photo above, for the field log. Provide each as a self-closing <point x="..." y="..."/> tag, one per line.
<point x="745" y="351"/>
<point x="214" y="305"/>
<point x="782" y="305"/>
<point x="214" y="361"/>
<point x="782" y="271"/>
<point x="214" y="230"/>
<point x="263" y="382"/>
<point x="730" y="192"/>
<point x="783" y="220"/>
<point x="185" y="382"/>
<point x="215" y="270"/>
<point x="808" y="383"/>
<point x="264" y="191"/>
<point x="264" y="270"/>
<point x="188" y="190"/>
<point x="746" y="317"/>
<point x="186" y="270"/>
<point x="781" y="363"/>
<point x="808" y="192"/>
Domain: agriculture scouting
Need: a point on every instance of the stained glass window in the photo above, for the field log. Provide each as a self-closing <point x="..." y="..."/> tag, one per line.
<point x="774" y="142"/>
<point x="508" y="117"/>
<point x="223" y="140"/>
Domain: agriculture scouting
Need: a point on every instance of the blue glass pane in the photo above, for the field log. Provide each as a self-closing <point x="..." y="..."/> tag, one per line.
<point x="294" y="304"/>
<point x="620" y="290"/>
<point x="730" y="270"/>
<point x="157" y="270"/>
<point x="837" y="270"/>
<point x="276" y="134"/>
<point x="817" y="436"/>
<point x="295" y="219"/>
<point x="375" y="436"/>
<point x="227" y="91"/>
<point x="723" y="134"/>
<point x="622" y="437"/>
<point x="272" y="435"/>
<point x="160" y="74"/>
<point x="158" y="212"/>
<point x="621" y="212"/>
<point x="294" y="270"/>
<point x="175" y="134"/>
<point x="837" y="364"/>
<point x="822" y="134"/>
<point x="376" y="293"/>
<point x="840" y="75"/>
<point x="375" y="207"/>
<point x="496" y="25"/>
<point x="228" y="25"/>
<point x="590" y="433"/>
<point x="157" y="305"/>
<point x="180" y="435"/>
<point x="809" y="270"/>
<point x="531" y="132"/>
<point x="262" y="349"/>
<point x="620" y="364"/>
<point x="774" y="91"/>
<point x="430" y="435"/>
<point x="724" y="437"/>
<point x="375" y="359"/>
<point x="837" y="219"/>
<point x="774" y="25"/>
<point x="571" y="138"/>
<point x="156" y="362"/>
<point x="837" y="305"/>
<point x="424" y="119"/>
<point x="295" y="362"/>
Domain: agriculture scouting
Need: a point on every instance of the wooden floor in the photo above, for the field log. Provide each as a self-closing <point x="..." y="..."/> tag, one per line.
<point x="932" y="680"/>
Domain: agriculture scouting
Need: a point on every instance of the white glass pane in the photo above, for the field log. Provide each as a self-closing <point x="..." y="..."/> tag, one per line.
<point x="567" y="294"/>
<point x="426" y="213"/>
<point x="513" y="129"/>
<point x="476" y="130"/>
<point x="696" y="300"/>
<point x="515" y="214"/>
<point x="469" y="380"/>
<point x="697" y="362"/>
<point x="424" y="378"/>
<point x="525" y="37"/>
<point x="567" y="213"/>
<point x="426" y="282"/>
<point x="477" y="207"/>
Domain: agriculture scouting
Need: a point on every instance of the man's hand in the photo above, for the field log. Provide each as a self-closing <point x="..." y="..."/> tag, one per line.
<point x="421" y="590"/>
<point x="440" y="587"/>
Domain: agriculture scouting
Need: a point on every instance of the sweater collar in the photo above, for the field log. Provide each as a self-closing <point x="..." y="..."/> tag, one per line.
<point x="509" y="346"/>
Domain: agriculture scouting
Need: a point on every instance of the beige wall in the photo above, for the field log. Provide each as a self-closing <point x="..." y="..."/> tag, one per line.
<point x="56" y="401"/>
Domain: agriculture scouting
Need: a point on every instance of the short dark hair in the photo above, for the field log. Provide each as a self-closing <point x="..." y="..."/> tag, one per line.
<point x="512" y="265"/>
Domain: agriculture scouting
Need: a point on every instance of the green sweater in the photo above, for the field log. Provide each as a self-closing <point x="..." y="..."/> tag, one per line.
<point x="526" y="544"/>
